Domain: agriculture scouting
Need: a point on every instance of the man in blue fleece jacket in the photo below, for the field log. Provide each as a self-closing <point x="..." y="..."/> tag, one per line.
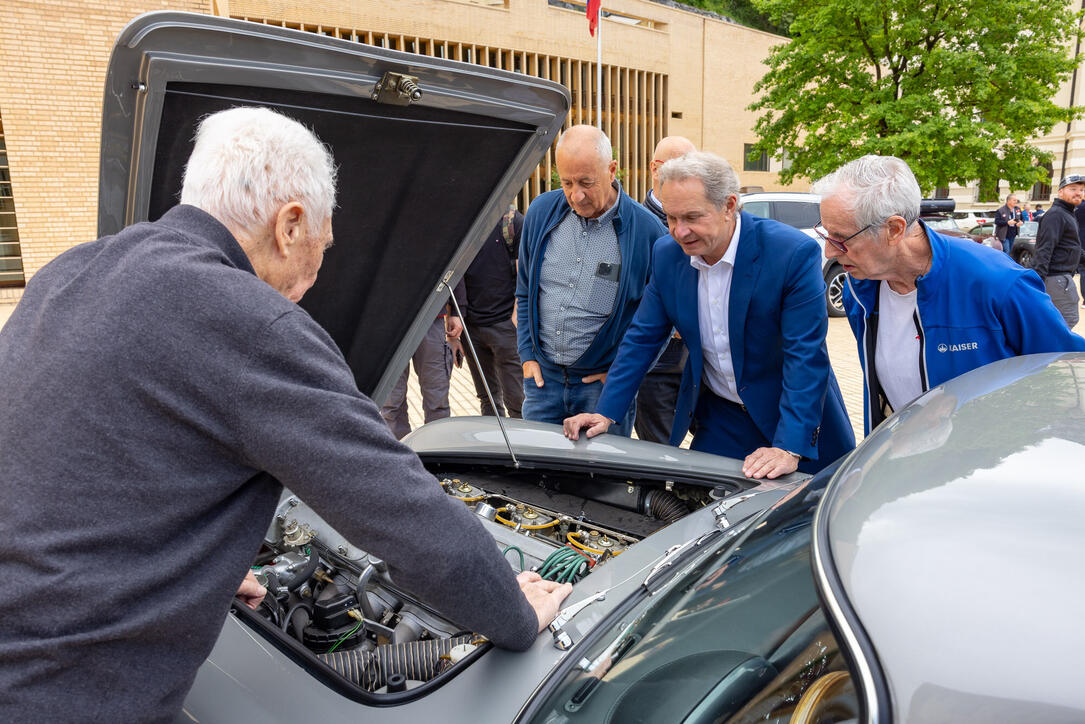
<point x="924" y="307"/>
<point x="161" y="387"/>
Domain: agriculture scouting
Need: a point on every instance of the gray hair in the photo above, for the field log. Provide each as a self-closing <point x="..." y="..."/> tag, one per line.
<point x="249" y="161"/>
<point x="880" y="187"/>
<point x="601" y="142"/>
<point x="719" y="179"/>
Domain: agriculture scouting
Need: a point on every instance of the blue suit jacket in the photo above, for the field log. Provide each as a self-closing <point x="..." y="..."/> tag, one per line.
<point x="777" y="325"/>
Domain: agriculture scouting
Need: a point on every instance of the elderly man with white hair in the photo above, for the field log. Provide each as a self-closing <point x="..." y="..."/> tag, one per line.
<point x="585" y="254"/>
<point x="747" y="296"/>
<point x="924" y="307"/>
<point x="161" y="387"/>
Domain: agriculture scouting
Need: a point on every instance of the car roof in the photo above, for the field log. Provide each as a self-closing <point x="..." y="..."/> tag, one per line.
<point x="781" y="196"/>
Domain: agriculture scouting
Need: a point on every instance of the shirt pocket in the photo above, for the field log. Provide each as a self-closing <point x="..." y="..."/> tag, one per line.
<point x="601" y="296"/>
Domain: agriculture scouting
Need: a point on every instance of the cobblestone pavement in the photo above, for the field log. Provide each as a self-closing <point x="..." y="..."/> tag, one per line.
<point x="842" y="353"/>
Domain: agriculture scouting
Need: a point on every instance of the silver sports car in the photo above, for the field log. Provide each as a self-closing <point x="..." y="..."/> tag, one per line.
<point x="932" y="575"/>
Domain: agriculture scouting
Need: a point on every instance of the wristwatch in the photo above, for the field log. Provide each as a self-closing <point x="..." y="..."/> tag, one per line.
<point x="795" y="454"/>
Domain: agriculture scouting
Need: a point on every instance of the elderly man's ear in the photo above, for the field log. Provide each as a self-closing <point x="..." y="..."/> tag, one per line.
<point x="289" y="227"/>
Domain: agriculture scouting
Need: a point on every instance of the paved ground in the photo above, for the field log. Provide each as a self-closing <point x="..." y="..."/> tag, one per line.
<point x="842" y="352"/>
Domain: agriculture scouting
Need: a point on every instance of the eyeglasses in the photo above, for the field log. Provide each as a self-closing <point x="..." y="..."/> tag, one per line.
<point x="840" y="245"/>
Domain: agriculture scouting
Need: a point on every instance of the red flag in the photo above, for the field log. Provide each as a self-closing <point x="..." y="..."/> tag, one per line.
<point x="593" y="16"/>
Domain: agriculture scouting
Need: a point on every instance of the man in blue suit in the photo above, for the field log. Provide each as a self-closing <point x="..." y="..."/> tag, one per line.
<point x="748" y="297"/>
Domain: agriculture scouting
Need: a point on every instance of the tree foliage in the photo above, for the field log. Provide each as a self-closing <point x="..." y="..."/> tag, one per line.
<point x="742" y="12"/>
<point x="957" y="88"/>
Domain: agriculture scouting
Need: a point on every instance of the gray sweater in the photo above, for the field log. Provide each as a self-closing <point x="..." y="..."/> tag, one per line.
<point x="157" y="395"/>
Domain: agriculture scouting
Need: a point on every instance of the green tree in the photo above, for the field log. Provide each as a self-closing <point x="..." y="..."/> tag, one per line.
<point x="742" y="12"/>
<point x="957" y="88"/>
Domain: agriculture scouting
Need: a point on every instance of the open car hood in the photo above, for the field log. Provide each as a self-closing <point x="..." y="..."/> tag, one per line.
<point x="421" y="183"/>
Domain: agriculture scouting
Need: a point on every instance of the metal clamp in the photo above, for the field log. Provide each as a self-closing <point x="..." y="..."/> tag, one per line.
<point x="557" y="626"/>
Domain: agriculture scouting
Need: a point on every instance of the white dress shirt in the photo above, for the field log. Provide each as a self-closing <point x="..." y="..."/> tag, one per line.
<point x="713" y="304"/>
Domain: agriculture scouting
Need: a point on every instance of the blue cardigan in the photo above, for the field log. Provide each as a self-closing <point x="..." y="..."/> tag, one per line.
<point x="975" y="306"/>
<point x="636" y="228"/>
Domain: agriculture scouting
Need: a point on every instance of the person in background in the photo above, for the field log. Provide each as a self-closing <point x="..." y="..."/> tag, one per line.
<point x="584" y="262"/>
<point x="1007" y="219"/>
<point x="1058" y="248"/>
<point x="1026" y="212"/>
<point x="433" y="361"/>
<point x="658" y="394"/>
<point x="1079" y="216"/>
<point x="924" y="307"/>
<point x="490" y="286"/>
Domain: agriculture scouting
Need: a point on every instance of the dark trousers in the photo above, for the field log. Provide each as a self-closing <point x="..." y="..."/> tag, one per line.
<point x="433" y="365"/>
<point x="1060" y="287"/>
<point x="495" y="345"/>
<point x="726" y="428"/>
<point x="658" y="394"/>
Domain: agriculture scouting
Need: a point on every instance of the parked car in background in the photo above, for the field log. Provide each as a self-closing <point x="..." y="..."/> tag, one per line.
<point x="1024" y="245"/>
<point x="938" y="214"/>
<point x="967" y="219"/>
<point x="802" y="211"/>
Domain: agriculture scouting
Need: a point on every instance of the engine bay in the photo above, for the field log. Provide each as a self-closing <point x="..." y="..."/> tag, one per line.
<point x="336" y="610"/>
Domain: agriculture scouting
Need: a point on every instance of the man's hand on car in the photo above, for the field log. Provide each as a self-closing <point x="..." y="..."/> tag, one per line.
<point x="250" y="591"/>
<point x="597" y="424"/>
<point x="544" y="596"/>
<point x="532" y="370"/>
<point x="769" y="462"/>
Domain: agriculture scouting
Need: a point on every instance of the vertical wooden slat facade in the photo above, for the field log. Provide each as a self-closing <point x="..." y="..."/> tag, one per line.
<point x="634" y="110"/>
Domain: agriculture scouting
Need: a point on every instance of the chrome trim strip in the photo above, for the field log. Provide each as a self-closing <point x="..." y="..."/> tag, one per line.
<point x="836" y="612"/>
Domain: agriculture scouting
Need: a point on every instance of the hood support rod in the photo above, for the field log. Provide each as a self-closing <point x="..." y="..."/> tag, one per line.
<point x="481" y="374"/>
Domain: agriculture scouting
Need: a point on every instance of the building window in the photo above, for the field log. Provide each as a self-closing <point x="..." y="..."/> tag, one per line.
<point x="1041" y="190"/>
<point x="758" y="163"/>
<point x="11" y="256"/>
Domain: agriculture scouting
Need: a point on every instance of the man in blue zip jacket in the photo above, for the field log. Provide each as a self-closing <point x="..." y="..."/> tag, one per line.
<point x="924" y="307"/>
<point x="585" y="257"/>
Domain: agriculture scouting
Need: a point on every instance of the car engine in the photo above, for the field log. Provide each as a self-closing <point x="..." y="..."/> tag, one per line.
<point x="334" y="608"/>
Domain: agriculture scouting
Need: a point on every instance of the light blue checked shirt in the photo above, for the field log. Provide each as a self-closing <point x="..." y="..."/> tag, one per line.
<point x="578" y="284"/>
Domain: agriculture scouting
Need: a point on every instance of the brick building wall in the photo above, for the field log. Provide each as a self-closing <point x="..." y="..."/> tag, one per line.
<point x="693" y="75"/>
<point x="53" y="56"/>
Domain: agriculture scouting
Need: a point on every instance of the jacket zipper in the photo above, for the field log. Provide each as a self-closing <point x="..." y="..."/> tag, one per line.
<point x="922" y="347"/>
<point x="866" y="353"/>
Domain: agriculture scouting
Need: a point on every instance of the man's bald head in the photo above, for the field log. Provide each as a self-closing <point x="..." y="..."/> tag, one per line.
<point x="668" y="148"/>
<point x="582" y="140"/>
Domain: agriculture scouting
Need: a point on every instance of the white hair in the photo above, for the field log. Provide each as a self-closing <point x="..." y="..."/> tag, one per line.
<point x="602" y="143"/>
<point x="248" y="162"/>
<point x="879" y="186"/>
<point x="717" y="176"/>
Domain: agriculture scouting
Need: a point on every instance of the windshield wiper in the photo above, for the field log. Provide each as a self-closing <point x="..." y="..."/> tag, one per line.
<point x="672" y="560"/>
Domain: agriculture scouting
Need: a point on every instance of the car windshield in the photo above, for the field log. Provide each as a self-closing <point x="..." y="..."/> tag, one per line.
<point x="942" y="224"/>
<point x="741" y="638"/>
<point x="1029" y="228"/>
